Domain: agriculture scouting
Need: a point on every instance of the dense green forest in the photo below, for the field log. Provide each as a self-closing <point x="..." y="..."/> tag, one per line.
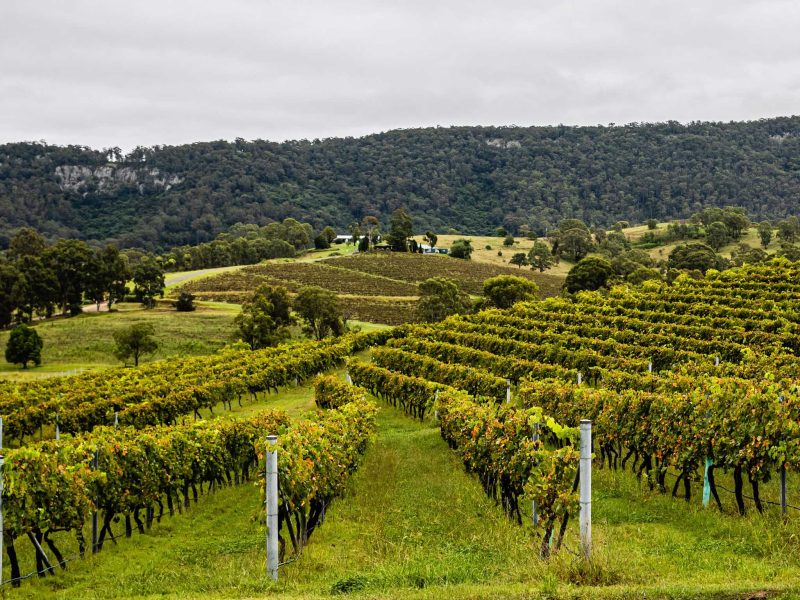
<point x="471" y="179"/>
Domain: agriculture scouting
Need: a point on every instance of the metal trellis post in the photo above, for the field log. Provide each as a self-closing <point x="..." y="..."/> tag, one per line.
<point x="272" y="507"/>
<point x="586" y="488"/>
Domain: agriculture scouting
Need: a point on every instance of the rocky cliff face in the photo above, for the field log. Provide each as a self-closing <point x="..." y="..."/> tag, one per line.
<point x="109" y="177"/>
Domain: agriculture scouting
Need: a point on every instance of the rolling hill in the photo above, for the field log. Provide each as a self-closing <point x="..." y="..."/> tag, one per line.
<point x="470" y="179"/>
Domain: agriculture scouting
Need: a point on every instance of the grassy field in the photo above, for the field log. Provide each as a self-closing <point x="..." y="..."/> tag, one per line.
<point x="86" y="341"/>
<point x="176" y="278"/>
<point x="750" y="238"/>
<point x="415" y="525"/>
<point x="486" y="249"/>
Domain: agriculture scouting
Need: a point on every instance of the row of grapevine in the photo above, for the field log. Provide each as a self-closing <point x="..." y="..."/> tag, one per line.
<point x="617" y="372"/>
<point x="413" y="395"/>
<point x="576" y="337"/>
<point x="775" y="333"/>
<point x="473" y="380"/>
<point x="748" y="314"/>
<point x="161" y="398"/>
<point x="315" y="461"/>
<point x="723" y="338"/>
<point x="462" y="334"/>
<point x="749" y="428"/>
<point x="506" y="367"/>
<point x="54" y="486"/>
<point x="332" y="392"/>
<point x="591" y="328"/>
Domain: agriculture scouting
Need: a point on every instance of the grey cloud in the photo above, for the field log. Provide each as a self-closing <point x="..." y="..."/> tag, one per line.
<point x="108" y="73"/>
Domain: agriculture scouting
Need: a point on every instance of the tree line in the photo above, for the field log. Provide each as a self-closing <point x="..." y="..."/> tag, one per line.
<point x="244" y="244"/>
<point x="39" y="279"/>
<point x="471" y="179"/>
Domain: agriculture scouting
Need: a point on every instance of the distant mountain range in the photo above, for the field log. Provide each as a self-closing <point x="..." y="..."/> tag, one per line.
<point x="470" y="179"/>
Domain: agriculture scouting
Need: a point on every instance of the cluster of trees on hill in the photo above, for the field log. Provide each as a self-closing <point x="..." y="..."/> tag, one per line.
<point x="472" y="179"/>
<point x="244" y="245"/>
<point x="265" y="318"/>
<point x="40" y="279"/>
<point x="616" y="258"/>
<point x="440" y="297"/>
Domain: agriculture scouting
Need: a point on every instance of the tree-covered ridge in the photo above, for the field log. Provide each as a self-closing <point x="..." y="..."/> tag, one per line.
<point x="472" y="179"/>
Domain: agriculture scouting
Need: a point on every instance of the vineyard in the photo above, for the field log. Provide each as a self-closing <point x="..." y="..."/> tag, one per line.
<point x="128" y="454"/>
<point x="375" y="287"/>
<point x="691" y="389"/>
<point x="294" y="275"/>
<point x="414" y="268"/>
<point x="161" y="393"/>
<point x="693" y="381"/>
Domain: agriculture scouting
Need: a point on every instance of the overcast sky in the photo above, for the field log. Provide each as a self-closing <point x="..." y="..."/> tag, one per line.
<point x="111" y="73"/>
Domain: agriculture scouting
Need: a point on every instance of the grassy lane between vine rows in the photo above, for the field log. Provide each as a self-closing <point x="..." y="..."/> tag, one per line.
<point x="417" y="526"/>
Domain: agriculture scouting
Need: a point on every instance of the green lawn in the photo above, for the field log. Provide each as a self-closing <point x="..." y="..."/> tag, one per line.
<point x="750" y="238"/>
<point x="86" y="341"/>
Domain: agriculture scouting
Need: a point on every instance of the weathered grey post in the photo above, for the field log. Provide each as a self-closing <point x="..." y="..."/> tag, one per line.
<point x="347" y="376"/>
<point x="58" y="429"/>
<point x="650" y="367"/>
<point x="508" y="391"/>
<point x="116" y="419"/>
<point x="95" y="465"/>
<point x="579" y="378"/>
<point x="784" y="505"/>
<point x="272" y="508"/>
<point x="586" y="488"/>
<point x="716" y="361"/>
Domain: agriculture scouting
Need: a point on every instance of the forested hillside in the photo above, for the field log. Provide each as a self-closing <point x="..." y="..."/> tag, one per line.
<point x="472" y="179"/>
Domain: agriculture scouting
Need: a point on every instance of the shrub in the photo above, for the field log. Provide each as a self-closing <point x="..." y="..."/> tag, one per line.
<point x="185" y="302"/>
